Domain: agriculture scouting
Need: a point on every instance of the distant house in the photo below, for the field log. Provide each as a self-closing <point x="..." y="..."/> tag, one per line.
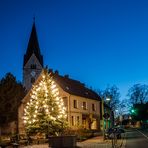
<point x="83" y="104"/>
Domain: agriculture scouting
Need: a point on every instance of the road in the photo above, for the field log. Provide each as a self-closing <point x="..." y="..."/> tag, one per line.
<point x="136" y="139"/>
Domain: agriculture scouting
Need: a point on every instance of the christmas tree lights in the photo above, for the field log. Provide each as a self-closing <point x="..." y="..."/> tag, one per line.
<point x="45" y="112"/>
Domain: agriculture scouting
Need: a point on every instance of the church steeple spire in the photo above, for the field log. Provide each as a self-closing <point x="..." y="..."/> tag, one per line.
<point x="33" y="60"/>
<point x="33" y="46"/>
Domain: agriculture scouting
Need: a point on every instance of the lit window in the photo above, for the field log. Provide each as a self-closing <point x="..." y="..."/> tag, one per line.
<point x="75" y="104"/>
<point x="84" y="105"/>
<point x="84" y="123"/>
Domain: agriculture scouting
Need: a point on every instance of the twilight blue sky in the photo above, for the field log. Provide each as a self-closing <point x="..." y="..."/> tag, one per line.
<point x="99" y="42"/>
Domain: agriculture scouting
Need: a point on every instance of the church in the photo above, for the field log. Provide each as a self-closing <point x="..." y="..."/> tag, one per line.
<point x="82" y="104"/>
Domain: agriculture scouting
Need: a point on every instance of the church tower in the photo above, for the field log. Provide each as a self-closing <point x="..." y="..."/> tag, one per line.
<point x="33" y="60"/>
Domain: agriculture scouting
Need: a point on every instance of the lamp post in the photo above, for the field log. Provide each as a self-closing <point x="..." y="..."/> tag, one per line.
<point x="103" y="113"/>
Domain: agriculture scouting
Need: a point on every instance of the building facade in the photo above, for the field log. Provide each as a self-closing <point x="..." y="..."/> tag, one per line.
<point x="83" y="104"/>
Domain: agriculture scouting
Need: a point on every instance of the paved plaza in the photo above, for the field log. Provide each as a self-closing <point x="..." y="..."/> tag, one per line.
<point x="96" y="142"/>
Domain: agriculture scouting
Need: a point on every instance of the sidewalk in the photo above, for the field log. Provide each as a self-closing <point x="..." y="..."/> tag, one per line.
<point x="94" y="142"/>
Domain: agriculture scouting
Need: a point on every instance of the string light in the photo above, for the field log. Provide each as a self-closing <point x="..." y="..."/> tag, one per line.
<point x="53" y="86"/>
<point x="44" y="97"/>
<point x="47" y="110"/>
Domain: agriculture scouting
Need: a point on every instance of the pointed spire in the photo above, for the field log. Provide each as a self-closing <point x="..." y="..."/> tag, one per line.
<point x="34" y="19"/>
<point x="33" y="46"/>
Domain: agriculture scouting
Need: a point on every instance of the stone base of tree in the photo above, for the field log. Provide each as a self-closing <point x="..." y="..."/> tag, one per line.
<point x="62" y="141"/>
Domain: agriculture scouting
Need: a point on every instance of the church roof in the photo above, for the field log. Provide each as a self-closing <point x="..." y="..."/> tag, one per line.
<point x="75" y="87"/>
<point x="33" y="47"/>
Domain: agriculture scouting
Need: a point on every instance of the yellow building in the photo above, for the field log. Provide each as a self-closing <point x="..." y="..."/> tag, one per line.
<point x="82" y="104"/>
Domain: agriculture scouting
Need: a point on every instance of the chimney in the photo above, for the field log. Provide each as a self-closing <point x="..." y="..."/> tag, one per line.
<point x="50" y="70"/>
<point x="56" y="72"/>
<point x="66" y="76"/>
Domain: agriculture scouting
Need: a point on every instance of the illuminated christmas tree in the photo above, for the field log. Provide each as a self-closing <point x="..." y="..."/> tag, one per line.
<point x="45" y="112"/>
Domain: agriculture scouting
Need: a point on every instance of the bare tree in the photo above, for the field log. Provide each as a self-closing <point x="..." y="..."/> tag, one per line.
<point x="123" y="107"/>
<point x="138" y="93"/>
<point x="113" y="94"/>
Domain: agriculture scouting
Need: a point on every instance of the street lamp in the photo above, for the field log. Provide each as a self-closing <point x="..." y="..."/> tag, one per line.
<point x="107" y="99"/>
